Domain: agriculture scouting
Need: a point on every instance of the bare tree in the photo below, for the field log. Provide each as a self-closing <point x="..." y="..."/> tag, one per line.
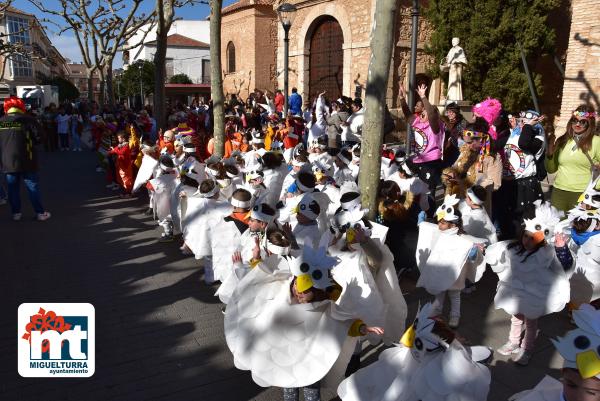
<point x="99" y="32"/>
<point x="216" y="79"/>
<point x="379" y="67"/>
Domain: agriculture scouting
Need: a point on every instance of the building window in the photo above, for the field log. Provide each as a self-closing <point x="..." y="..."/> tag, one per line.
<point x="205" y="71"/>
<point x="18" y="32"/>
<point x="230" y="57"/>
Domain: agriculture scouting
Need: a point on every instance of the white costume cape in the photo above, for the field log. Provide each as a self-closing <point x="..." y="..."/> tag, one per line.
<point x="377" y="299"/>
<point x="535" y="287"/>
<point x="307" y="234"/>
<point x="273" y="180"/>
<point x="223" y="250"/>
<point x="226" y="269"/>
<point x="585" y="277"/>
<point x="415" y="186"/>
<point x="283" y="343"/>
<point x="477" y="223"/>
<point x="442" y="259"/>
<point x="163" y="188"/>
<point x="147" y="169"/>
<point x="450" y="375"/>
<point x="201" y="220"/>
<point x="549" y="389"/>
<point x="333" y="194"/>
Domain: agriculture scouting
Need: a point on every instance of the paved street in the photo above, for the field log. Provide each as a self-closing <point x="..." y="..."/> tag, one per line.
<point x="159" y="328"/>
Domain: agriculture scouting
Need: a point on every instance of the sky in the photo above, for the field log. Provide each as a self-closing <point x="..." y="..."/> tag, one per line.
<point x="66" y="43"/>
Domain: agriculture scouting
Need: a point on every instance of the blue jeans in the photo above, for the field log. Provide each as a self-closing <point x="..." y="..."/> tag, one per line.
<point x="13" y="181"/>
<point x="76" y="140"/>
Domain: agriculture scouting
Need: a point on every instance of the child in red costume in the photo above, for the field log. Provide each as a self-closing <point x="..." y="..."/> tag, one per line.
<point x="123" y="164"/>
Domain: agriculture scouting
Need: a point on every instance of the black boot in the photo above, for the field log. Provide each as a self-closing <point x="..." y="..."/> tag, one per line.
<point x="353" y="365"/>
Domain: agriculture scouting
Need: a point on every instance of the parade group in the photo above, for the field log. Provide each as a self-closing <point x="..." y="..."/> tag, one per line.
<point x="307" y="279"/>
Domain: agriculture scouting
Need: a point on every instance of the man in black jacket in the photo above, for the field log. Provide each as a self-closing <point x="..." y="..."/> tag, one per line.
<point x="18" y="158"/>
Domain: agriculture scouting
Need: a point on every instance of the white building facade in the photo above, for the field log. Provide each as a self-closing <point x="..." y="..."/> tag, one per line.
<point x="188" y="50"/>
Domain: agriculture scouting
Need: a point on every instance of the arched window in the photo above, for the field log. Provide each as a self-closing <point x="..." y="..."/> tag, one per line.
<point x="230" y="57"/>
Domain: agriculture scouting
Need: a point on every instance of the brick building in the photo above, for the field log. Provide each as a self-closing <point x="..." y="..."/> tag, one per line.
<point x="582" y="72"/>
<point x="249" y="46"/>
<point x="329" y="48"/>
<point x="79" y="77"/>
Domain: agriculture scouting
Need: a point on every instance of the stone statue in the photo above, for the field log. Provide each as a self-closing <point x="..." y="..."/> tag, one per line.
<point x="454" y="63"/>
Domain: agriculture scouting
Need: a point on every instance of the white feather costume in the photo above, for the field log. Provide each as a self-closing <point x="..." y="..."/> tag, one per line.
<point x="442" y="256"/>
<point x="549" y="389"/>
<point x="273" y="180"/>
<point x="284" y="343"/>
<point x="585" y="277"/>
<point x="534" y="287"/>
<point x="423" y="368"/>
<point x="202" y="222"/>
<point x="147" y="169"/>
<point x="415" y="186"/>
<point x="372" y="290"/>
<point x="163" y="188"/>
<point x="477" y="223"/>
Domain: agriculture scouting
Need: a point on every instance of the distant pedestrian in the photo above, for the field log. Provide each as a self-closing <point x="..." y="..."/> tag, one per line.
<point x="18" y="157"/>
<point x="295" y="103"/>
<point x="62" y="127"/>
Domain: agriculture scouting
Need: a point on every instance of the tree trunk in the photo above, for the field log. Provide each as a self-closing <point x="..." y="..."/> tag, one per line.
<point x="109" y="84"/>
<point x="102" y="92"/>
<point x="379" y="67"/>
<point x="90" y="85"/>
<point x="216" y="80"/>
<point x="164" y="10"/>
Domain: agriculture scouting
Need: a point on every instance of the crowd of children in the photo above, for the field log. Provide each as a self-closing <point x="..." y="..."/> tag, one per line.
<point x="306" y="278"/>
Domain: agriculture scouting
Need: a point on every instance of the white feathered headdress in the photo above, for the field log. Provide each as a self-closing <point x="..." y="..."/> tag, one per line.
<point x="419" y="336"/>
<point x="587" y="197"/>
<point x="578" y="213"/>
<point x="312" y="268"/>
<point x="546" y="218"/>
<point x="581" y="347"/>
<point x="447" y="210"/>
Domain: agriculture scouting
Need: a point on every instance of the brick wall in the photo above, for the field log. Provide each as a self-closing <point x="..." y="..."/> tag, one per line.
<point x="240" y="28"/>
<point x="582" y="73"/>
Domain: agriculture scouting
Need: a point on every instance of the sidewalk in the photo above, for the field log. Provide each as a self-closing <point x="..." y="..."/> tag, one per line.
<point x="159" y="328"/>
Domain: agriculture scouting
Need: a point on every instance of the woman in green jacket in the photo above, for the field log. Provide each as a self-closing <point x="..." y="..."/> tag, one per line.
<point x="572" y="157"/>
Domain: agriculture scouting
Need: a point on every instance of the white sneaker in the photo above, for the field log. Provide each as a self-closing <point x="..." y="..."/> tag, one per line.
<point x="3" y="201"/>
<point x="43" y="216"/>
<point x="454" y="321"/>
<point x="17" y="216"/>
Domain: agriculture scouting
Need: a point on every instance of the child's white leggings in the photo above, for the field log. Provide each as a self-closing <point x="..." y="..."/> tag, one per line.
<point x="438" y="303"/>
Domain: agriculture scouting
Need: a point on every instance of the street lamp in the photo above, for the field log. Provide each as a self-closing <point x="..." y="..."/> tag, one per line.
<point x="287" y="13"/>
<point x="413" y="69"/>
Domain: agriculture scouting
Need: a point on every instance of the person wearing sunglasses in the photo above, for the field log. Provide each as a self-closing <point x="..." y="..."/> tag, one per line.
<point x="573" y="156"/>
<point x="477" y="162"/>
<point x="523" y="154"/>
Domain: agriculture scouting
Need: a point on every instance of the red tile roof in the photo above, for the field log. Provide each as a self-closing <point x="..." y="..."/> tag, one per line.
<point x="182" y="41"/>
<point x="242" y="4"/>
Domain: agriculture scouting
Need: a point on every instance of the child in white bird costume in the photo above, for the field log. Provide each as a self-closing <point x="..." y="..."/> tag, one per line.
<point x="532" y="283"/>
<point x="428" y="365"/>
<point x="285" y="326"/>
<point x="446" y="257"/>
<point x="580" y="349"/>
<point x="585" y="246"/>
